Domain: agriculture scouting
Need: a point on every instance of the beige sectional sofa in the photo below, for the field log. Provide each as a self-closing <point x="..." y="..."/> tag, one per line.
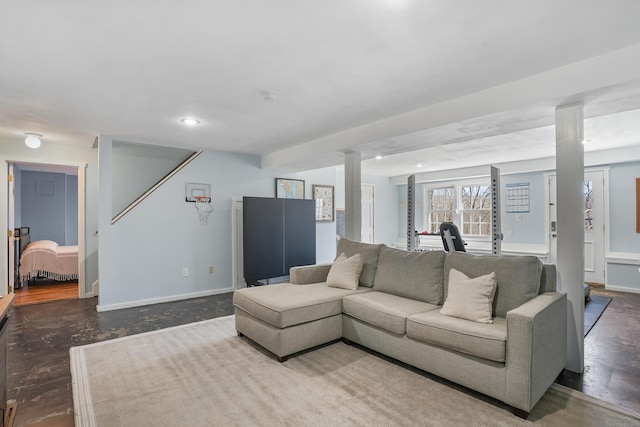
<point x="396" y="310"/>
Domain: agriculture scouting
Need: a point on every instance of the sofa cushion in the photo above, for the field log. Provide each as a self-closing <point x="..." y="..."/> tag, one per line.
<point x="470" y="299"/>
<point x="415" y="275"/>
<point x="517" y="277"/>
<point x="484" y="340"/>
<point x="369" y="255"/>
<point x="345" y="272"/>
<point x="383" y="310"/>
<point x="285" y="304"/>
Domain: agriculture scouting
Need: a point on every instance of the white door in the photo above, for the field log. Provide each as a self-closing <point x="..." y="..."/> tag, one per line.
<point x="367" y="213"/>
<point x="11" y="226"/>
<point x="593" y="225"/>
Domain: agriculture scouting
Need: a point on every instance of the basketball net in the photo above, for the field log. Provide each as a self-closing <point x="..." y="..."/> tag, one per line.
<point x="204" y="208"/>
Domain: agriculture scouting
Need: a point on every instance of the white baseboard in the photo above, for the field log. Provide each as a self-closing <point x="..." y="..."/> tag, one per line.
<point x="169" y="298"/>
<point x="94" y="290"/>
<point x="622" y="289"/>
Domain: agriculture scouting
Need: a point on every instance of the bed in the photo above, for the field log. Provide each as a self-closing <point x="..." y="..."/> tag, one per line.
<point x="46" y="259"/>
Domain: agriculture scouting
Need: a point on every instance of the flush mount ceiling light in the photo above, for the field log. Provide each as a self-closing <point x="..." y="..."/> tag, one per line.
<point x="32" y="140"/>
<point x="190" y="121"/>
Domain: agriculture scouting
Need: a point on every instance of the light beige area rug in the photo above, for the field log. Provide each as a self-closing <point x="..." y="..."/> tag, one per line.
<point x="202" y="374"/>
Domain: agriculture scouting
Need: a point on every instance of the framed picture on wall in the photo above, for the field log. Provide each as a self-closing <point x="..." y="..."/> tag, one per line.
<point x="289" y="188"/>
<point x="323" y="196"/>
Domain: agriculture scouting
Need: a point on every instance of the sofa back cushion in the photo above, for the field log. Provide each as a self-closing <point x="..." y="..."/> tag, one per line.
<point x="517" y="277"/>
<point x="415" y="275"/>
<point x="548" y="278"/>
<point x="369" y="254"/>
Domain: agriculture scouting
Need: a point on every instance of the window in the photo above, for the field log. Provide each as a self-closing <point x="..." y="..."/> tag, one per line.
<point x="441" y="207"/>
<point x="476" y="210"/>
<point x="467" y="205"/>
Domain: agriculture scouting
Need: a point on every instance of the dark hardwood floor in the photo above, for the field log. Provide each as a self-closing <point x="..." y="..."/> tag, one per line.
<point x="40" y="336"/>
<point x="612" y="354"/>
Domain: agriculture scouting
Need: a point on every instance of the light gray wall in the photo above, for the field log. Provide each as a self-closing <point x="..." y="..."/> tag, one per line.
<point x="43" y="205"/>
<point x="623" y="240"/>
<point x="622" y="208"/>
<point x="325" y="231"/>
<point x="525" y="227"/>
<point x="137" y="167"/>
<point x="142" y="256"/>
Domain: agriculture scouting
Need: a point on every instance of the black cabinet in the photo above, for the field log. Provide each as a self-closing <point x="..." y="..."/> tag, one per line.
<point x="277" y="234"/>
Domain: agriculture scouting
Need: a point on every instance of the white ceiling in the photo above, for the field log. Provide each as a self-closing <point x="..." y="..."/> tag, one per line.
<point x="413" y="80"/>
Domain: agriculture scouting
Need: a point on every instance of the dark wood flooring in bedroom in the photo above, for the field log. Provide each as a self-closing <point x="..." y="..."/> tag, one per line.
<point x="40" y="336"/>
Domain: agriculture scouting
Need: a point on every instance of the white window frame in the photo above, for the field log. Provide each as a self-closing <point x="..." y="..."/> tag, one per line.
<point x="457" y="204"/>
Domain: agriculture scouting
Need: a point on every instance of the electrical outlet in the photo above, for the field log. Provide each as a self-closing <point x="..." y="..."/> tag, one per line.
<point x="211" y="269"/>
<point x="185" y="271"/>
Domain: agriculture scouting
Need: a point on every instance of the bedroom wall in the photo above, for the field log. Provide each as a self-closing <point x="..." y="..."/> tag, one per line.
<point x="14" y="150"/>
<point x="44" y="196"/>
<point x="48" y="205"/>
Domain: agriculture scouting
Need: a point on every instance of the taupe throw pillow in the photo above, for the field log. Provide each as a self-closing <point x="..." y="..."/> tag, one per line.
<point x="345" y="272"/>
<point x="470" y="299"/>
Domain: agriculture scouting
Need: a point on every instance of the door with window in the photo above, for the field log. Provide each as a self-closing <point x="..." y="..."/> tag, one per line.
<point x="593" y="225"/>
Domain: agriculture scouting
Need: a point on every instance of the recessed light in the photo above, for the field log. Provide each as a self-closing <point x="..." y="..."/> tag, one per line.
<point x="586" y="141"/>
<point x="419" y="165"/>
<point x="378" y="157"/>
<point x="190" y="121"/>
<point x="33" y="140"/>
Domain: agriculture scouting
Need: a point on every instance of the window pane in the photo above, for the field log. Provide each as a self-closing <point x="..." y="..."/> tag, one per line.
<point x="588" y="206"/>
<point x="441" y="207"/>
<point x="476" y="205"/>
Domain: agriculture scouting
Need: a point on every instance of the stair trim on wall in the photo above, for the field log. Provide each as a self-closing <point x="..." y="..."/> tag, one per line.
<point x="154" y="187"/>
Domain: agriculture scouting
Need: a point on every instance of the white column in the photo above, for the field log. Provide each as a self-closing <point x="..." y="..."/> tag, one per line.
<point x="570" y="208"/>
<point x="352" y="196"/>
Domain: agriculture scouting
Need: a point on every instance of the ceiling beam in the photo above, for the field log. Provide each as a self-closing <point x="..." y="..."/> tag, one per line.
<point x="570" y="83"/>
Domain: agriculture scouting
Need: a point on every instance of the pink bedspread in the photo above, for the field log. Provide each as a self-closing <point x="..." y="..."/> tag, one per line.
<point x="44" y="258"/>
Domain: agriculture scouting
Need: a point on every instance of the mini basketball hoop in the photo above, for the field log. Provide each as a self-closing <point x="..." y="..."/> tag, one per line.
<point x="204" y="208"/>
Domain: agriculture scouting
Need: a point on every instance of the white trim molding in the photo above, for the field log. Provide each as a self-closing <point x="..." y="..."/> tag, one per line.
<point x="623" y="258"/>
<point x="170" y="298"/>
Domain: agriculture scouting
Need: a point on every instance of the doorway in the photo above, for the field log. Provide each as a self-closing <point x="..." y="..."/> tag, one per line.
<point x="64" y="186"/>
<point x="594" y="225"/>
